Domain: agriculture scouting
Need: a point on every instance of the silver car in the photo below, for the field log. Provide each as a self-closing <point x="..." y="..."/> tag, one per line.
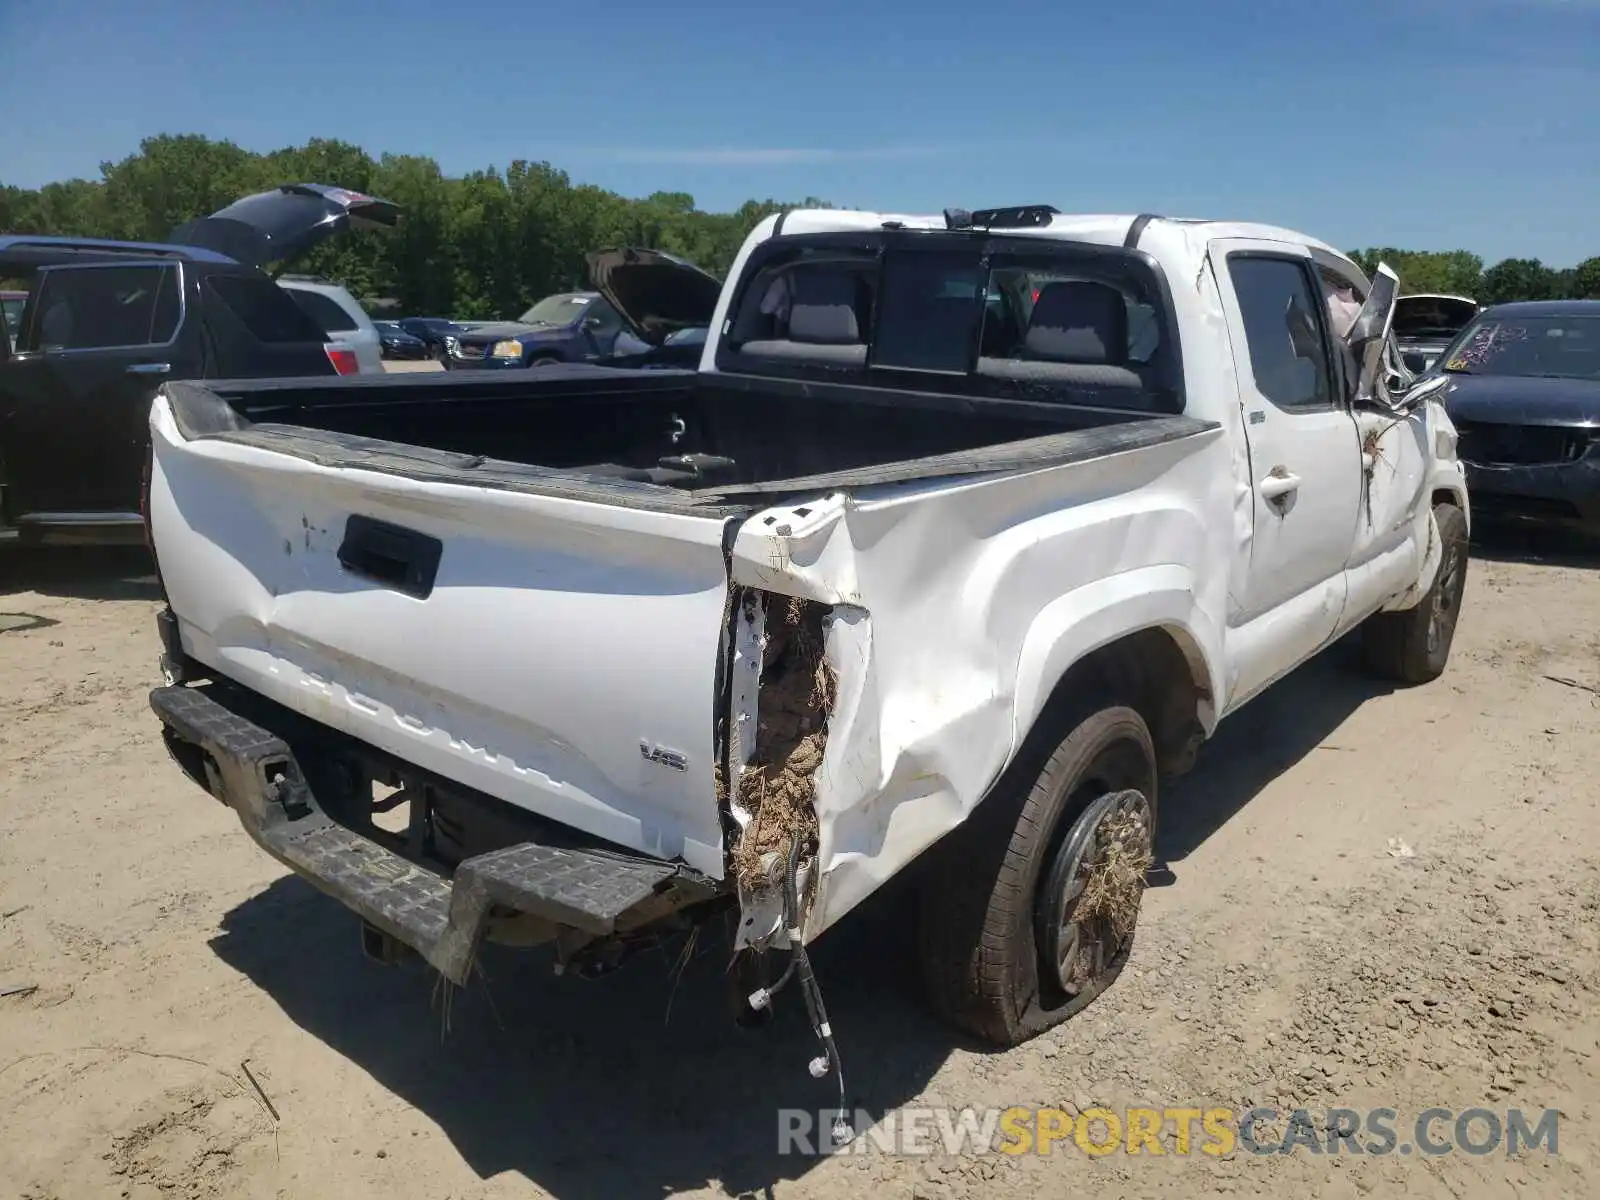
<point x="337" y="312"/>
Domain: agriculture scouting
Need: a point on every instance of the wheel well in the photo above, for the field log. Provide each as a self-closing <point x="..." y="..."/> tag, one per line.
<point x="1151" y="672"/>
<point x="1445" y="496"/>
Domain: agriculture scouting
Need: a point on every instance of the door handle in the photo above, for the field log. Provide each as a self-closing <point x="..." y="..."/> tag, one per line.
<point x="149" y="368"/>
<point x="1279" y="484"/>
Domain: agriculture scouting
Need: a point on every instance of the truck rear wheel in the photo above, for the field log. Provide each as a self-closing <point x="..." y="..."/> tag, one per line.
<point x="1413" y="645"/>
<point x="1029" y="912"/>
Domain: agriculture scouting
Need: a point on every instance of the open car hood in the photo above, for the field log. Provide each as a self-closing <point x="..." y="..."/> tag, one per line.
<point x="270" y="230"/>
<point x="1431" y="318"/>
<point x="656" y="293"/>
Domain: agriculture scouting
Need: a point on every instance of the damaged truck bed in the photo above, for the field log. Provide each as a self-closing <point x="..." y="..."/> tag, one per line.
<point x="573" y="597"/>
<point x="964" y="534"/>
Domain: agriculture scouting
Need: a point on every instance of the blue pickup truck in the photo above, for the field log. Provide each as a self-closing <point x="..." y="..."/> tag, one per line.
<point x="647" y="309"/>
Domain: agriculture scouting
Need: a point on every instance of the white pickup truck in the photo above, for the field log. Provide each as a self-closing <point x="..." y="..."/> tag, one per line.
<point x="966" y="531"/>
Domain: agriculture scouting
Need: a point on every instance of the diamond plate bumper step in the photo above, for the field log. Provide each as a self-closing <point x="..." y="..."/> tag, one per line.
<point x="254" y="772"/>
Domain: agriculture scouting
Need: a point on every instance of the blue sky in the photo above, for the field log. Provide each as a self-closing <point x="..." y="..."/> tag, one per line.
<point x="1431" y="124"/>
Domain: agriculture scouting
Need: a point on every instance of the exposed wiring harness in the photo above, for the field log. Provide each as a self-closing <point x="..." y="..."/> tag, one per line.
<point x="800" y="967"/>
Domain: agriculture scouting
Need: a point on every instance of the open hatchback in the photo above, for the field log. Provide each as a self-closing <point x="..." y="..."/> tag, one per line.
<point x="270" y="230"/>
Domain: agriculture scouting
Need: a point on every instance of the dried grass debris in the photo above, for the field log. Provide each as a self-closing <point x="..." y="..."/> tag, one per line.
<point x="796" y="698"/>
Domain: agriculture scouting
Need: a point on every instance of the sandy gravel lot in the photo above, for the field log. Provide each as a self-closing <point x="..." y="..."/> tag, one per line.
<point x="1292" y="959"/>
<point x="405" y="366"/>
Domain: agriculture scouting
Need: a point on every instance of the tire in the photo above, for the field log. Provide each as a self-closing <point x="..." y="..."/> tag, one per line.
<point x="543" y="360"/>
<point x="1412" y="646"/>
<point x="986" y="906"/>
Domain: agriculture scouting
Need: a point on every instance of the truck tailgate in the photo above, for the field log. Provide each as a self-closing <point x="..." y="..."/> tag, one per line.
<point x="559" y="654"/>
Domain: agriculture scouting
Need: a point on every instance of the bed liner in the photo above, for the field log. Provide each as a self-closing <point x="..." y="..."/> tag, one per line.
<point x="203" y="411"/>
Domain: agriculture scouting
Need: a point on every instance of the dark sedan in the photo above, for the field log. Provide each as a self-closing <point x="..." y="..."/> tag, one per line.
<point x="397" y="343"/>
<point x="1525" y="399"/>
<point x="433" y="332"/>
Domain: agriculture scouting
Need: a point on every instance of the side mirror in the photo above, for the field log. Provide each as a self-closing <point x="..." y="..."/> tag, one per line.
<point x="1372" y="323"/>
<point x="1368" y="337"/>
<point x="1400" y="403"/>
<point x="1425" y="389"/>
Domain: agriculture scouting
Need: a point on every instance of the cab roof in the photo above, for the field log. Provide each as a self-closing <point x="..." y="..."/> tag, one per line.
<point x="1167" y="238"/>
<point x="1102" y="228"/>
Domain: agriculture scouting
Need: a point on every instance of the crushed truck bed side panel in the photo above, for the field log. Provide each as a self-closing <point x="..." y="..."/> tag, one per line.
<point x="956" y="608"/>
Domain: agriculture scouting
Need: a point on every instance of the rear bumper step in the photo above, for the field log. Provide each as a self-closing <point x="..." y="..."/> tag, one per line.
<point x="254" y="772"/>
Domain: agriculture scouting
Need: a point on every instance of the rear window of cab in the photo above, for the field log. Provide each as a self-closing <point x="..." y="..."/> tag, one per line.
<point x="970" y="314"/>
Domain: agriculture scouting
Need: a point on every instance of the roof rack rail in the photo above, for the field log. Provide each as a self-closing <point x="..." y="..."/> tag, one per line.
<point x="1136" y="230"/>
<point x="25" y="241"/>
<point x="1023" y="216"/>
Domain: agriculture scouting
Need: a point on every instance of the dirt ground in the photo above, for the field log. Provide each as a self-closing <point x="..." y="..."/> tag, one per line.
<point x="1297" y="955"/>
<point x="404" y="366"/>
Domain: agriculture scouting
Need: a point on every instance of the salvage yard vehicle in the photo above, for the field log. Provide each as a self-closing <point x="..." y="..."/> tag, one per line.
<point x="647" y="309"/>
<point x="1426" y="322"/>
<point x="340" y="316"/>
<point x="966" y="532"/>
<point x="396" y="343"/>
<point x="431" y="332"/>
<point x="1524" y="394"/>
<point x="105" y="323"/>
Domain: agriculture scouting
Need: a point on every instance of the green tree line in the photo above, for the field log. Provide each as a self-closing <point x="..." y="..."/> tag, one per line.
<point x="485" y="244"/>
<point x="488" y="243"/>
<point x="1459" y="273"/>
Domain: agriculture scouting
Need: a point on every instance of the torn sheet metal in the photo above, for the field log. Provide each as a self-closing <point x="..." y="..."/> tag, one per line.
<point x="953" y="611"/>
<point x="760" y="909"/>
<point x="798" y="550"/>
<point x="749" y="645"/>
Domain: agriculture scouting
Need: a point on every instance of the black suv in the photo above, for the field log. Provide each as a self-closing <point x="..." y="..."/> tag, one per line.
<point x="106" y="323"/>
